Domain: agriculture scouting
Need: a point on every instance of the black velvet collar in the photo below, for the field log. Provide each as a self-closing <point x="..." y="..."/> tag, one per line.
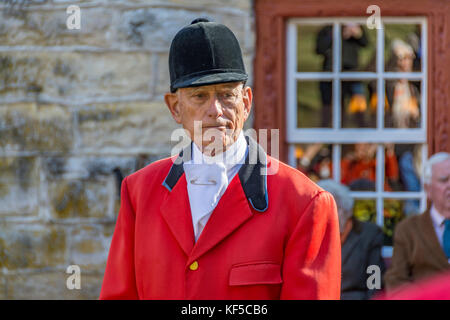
<point x="252" y="174"/>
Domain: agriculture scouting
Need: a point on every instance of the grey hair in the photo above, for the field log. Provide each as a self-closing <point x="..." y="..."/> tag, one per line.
<point x="428" y="165"/>
<point x="400" y="44"/>
<point x="341" y="195"/>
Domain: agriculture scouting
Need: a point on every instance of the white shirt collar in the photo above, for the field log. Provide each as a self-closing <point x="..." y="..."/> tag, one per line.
<point x="438" y="219"/>
<point x="235" y="154"/>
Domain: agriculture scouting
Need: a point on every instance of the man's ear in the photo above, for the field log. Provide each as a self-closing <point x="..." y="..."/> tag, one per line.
<point x="247" y="98"/>
<point x="172" y="103"/>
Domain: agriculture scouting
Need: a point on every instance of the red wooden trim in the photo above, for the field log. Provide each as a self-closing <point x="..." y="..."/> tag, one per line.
<point x="270" y="57"/>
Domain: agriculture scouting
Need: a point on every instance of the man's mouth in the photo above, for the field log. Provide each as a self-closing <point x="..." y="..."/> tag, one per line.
<point x="220" y="127"/>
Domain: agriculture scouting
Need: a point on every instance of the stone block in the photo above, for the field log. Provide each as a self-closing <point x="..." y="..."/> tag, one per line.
<point x="244" y="5"/>
<point x="32" y="246"/>
<point x="87" y="167"/>
<point x="48" y="28"/>
<point x="154" y="28"/>
<point x="19" y="186"/>
<point x="87" y="186"/>
<point x="52" y="285"/>
<point x="89" y="246"/>
<point x="81" y="198"/>
<point x="3" y="287"/>
<point x="162" y="75"/>
<point x="133" y="127"/>
<point x="35" y="127"/>
<point x="76" y="77"/>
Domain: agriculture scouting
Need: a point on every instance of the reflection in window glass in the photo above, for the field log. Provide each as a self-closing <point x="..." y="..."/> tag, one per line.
<point x="358" y="48"/>
<point x="403" y="50"/>
<point x="358" y="166"/>
<point x="408" y="160"/>
<point x="314" y="104"/>
<point x="365" y="210"/>
<point x="315" y="43"/>
<point x="359" y="105"/>
<point x="402" y="104"/>
<point x="314" y="160"/>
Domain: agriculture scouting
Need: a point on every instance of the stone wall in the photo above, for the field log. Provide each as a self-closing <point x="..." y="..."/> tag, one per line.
<point x="79" y="109"/>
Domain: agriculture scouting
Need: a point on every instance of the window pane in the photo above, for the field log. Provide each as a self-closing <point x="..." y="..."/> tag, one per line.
<point x="358" y="48"/>
<point x="359" y="104"/>
<point x="402" y="104"/>
<point x="403" y="49"/>
<point x="403" y="167"/>
<point x="393" y="213"/>
<point x="365" y="210"/>
<point x="358" y="166"/>
<point x="314" y="48"/>
<point x="314" y="160"/>
<point x="314" y="104"/>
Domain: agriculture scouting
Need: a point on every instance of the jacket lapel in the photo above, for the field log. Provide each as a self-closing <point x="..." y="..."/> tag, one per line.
<point x="175" y="207"/>
<point x="231" y="212"/>
<point x="176" y="212"/>
<point x="430" y="239"/>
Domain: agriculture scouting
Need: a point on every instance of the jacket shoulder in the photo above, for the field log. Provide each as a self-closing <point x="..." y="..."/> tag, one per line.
<point x="289" y="178"/>
<point x="410" y="225"/>
<point x="153" y="172"/>
<point x="370" y="227"/>
<point x="372" y="232"/>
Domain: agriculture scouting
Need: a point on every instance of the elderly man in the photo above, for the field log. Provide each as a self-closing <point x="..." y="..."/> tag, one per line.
<point x="422" y="242"/>
<point x="361" y="245"/>
<point x="211" y="223"/>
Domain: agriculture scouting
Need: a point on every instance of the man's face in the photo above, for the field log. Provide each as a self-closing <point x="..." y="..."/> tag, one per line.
<point x="221" y="107"/>
<point x="439" y="189"/>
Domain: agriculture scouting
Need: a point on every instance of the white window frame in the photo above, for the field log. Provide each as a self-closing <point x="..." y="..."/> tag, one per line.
<point x="337" y="136"/>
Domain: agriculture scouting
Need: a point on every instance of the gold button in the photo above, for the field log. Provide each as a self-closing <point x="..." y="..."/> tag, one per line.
<point x="194" y="266"/>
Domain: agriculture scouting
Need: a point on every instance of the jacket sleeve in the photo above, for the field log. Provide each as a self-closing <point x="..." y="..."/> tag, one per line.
<point x="119" y="281"/>
<point x="400" y="270"/>
<point x="312" y="262"/>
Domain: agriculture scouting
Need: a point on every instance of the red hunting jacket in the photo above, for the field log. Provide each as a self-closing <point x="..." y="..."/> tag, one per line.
<point x="270" y="237"/>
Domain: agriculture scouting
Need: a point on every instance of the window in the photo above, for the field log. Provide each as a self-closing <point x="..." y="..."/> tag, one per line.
<point x="338" y="128"/>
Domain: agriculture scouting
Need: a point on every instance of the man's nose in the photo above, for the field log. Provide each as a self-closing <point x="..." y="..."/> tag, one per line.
<point x="215" y="107"/>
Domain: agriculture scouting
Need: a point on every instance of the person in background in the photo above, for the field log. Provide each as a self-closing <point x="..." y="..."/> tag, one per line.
<point x="403" y="97"/>
<point x="422" y="242"/>
<point x="361" y="244"/>
<point x="354" y="38"/>
<point x="358" y="168"/>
